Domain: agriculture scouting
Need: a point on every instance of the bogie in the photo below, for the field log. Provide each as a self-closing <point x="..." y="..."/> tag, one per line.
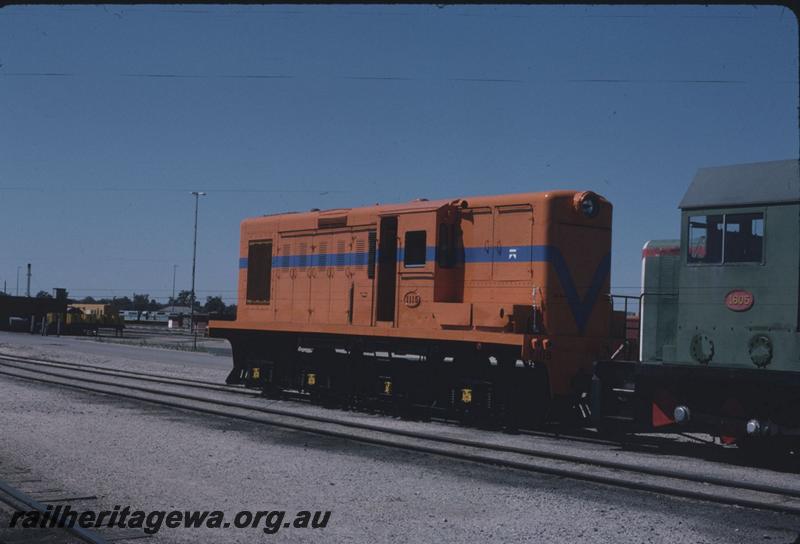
<point x="468" y="386"/>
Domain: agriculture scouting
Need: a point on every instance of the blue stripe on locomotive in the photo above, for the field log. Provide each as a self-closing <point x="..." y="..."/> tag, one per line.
<point x="581" y="308"/>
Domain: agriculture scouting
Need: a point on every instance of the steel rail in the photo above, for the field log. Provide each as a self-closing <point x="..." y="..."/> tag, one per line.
<point x="169" y="380"/>
<point x="203" y="384"/>
<point x="21" y="498"/>
<point x="617" y="465"/>
<point x="636" y="469"/>
<point x="95" y="369"/>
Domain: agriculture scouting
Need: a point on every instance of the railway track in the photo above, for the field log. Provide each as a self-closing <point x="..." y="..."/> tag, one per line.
<point x="132" y="374"/>
<point x="20" y="501"/>
<point x="571" y="434"/>
<point x="633" y="476"/>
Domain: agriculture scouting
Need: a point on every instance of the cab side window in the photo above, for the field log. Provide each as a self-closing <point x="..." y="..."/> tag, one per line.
<point x="415" y="249"/>
<point x="744" y="238"/>
<point x="259" y="271"/>
<point x="726" y="238"/>
<point x="705" y="239"/>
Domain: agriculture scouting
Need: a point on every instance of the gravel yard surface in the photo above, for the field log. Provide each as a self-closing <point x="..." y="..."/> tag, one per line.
<point x="90" y="351"/>
<point x="153" y="458"/>
<point x="26" y="536"/>
<point x="662" y="451"/>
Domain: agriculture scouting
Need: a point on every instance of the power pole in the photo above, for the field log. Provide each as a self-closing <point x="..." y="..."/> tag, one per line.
<point x="197" y="195"/>
<point x="28" y="290"/>
<point x="18" y="279"/>
<point x="174" y="267"/>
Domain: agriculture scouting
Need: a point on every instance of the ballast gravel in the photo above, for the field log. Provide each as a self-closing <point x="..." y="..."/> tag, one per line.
<point x="153" y="458"/>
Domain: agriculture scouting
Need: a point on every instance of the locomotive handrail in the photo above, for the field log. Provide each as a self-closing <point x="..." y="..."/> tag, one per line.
<point x="626" y="327"/>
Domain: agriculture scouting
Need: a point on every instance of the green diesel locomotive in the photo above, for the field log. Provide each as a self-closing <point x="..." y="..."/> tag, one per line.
<point x="719" y="315"/>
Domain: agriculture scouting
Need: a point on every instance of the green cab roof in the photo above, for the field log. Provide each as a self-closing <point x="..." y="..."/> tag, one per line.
<point x="773" y="182"/>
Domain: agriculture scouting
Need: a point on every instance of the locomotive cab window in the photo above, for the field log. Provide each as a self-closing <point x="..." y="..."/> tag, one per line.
<point x="259" y="272"/>
<point x="705" y="239"/>
<point x="726" y="238"/>
<point x="415" y="248"/>
<point x="744" y="237"/>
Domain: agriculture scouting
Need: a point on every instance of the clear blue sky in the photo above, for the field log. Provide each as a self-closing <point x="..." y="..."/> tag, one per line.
<point x="112" y="115"/>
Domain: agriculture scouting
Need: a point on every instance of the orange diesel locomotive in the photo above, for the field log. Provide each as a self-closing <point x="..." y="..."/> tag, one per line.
<point x="486" y="305"/>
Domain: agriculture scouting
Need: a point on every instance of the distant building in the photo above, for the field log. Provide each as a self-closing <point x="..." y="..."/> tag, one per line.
<point x="96" y="310"/>
<point x="176" y="310"/>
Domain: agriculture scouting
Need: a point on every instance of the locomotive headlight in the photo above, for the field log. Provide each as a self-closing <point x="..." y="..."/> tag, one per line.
<point x="587" y="204"/>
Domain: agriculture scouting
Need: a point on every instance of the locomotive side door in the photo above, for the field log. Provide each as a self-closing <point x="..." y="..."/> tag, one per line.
<point x="513" y="234"/>
<point x="282" y="273"/>
<point x="476" y="228"/>
<point x="387" y="270"/>
<point x="360" y="303"/>
<point x="448" y="284"/>
<point x="320" y="279"/>
<point x="416" y="267"/>
<point x="301" y="278"/>
<point x="340" y="278"/>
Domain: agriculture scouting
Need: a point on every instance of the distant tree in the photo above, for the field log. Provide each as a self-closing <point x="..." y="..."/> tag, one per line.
<point x="121" y="303"/>
<point x="230" y="312"/>
<point x="43" y="294"/>
<point x="215" y="305"/>
<point x="183" y="299"/>
<point x="141" y="302"/>
<point x="88" y="300"/>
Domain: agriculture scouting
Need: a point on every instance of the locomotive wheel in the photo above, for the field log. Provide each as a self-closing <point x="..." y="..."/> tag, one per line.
<point x="345" y="389"/>
<point x="526" y="397"/>
<point x="489" y="389"/>
<point x="236" y="375"/>
<point x="404" y="407"/>
<point x="270" y="388"/>
<point x="279" y="371"/>
<point x="536" y="402"/>
<point x="612" y="429"/>
<point x="325" y="364"/>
